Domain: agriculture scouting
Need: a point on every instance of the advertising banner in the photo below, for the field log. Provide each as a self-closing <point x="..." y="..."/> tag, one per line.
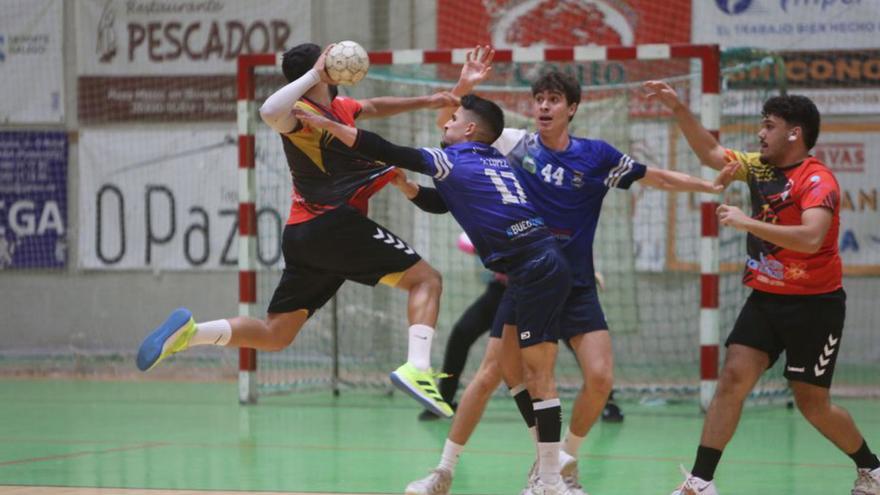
<point x="175" y="60"/>
<point x="167" y="198"/>
<point x="787" y="24"/>
<point x="33" y="199"/>
<point x="31" y="68"/>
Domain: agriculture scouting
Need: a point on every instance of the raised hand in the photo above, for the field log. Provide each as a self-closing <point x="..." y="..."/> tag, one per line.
<point x="662" y="92"/>
<point x="321" y="67"/>
<point x="477" y="66"/>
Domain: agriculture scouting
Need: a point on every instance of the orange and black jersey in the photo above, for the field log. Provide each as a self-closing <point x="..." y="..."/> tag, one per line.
<point x="326" y="173"/>
<point x="779" y="196"/>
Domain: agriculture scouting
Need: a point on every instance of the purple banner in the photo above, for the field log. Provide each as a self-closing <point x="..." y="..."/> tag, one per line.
<point x="33" y="199"/>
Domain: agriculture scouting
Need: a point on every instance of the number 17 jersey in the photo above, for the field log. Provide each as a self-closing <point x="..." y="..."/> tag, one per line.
<point x="485" y="197"/>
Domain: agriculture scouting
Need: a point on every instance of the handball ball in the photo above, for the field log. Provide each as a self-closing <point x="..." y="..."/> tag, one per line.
<point x="347" y="63"/>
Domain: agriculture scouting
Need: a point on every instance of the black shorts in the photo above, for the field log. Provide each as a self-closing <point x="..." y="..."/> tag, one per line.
<point x="340" y="245"/>
<point x="808" y="328"/>
<point x="580" y="314"/>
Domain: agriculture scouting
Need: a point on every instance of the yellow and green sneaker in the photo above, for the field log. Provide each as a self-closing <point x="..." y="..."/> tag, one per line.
<point x="422" y="387"/>
<point x="172" y="336"/>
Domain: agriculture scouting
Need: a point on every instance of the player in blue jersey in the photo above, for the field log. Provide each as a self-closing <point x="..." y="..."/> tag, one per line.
<point x="566" y="178"/>
<point x="474" y="181"/>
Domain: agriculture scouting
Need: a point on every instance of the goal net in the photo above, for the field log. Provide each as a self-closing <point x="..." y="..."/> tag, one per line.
<point x="648" y="244"/>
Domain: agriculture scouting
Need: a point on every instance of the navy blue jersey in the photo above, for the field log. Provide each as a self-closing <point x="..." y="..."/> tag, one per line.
<point x="567" y="188"/>
<point x="483" y="194"/>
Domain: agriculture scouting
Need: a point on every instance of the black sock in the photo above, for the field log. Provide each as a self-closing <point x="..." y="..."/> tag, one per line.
<point x="707" y="461"/>
<point x="524" y="404"/>
<point x="864" y="458"/>
<point x="548" y="417"/>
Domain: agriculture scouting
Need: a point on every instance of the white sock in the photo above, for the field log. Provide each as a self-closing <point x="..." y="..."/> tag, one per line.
<point x="572" y="443"/>
<point x="217" y="332"/>
<point x="548" y="462"/>
<point x="533" y="431"/>
<point x="451" y="453"/>
<point x="419" y="354"/>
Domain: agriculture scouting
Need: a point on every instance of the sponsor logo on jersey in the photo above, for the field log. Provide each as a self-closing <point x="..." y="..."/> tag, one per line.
<point x="769" y="267"/>
<point x="524" y="226"/>
<point x="577" y="181"/>
<point x="529" y="164"/>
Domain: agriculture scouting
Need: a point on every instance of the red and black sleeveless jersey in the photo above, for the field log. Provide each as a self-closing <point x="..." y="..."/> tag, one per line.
<point x="326" y="173"/>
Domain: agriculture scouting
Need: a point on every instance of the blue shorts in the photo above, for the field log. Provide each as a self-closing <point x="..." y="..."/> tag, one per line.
<point x="580" y="314"/>
<point x="538" y="284"/>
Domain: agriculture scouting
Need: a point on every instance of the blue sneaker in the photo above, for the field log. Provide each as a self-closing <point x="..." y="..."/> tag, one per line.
<point x="171" y="337"/>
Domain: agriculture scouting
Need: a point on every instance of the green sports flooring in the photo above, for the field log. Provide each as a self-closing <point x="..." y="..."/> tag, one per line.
<point x="194" y="436"/>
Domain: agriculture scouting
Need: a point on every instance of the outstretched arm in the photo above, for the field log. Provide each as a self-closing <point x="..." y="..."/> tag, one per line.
<point x="367" y="143"/>
<point x="704" y="144"/>
<point x="426" y="198"/>
<point x="670" y="180"/>
<point x="386" y="106"/>
<point x="475" y="70"/>
<point x="276" y="111"/>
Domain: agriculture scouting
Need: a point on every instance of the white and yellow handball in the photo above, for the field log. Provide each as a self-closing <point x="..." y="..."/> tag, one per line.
<point x="347" y="63"/>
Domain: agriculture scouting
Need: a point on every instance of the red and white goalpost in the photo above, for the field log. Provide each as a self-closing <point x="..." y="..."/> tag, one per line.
<point x="710" y="115"/>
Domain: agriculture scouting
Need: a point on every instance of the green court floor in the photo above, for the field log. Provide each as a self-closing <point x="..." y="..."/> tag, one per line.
<point x="164" y="435"/>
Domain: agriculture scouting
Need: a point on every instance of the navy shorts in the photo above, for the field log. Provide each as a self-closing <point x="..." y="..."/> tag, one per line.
<point x="580" y="314"/>
<point x="538" y="285"/>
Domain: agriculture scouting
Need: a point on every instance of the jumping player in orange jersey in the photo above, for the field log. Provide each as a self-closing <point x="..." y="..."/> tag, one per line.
<point x="328" y="238"/>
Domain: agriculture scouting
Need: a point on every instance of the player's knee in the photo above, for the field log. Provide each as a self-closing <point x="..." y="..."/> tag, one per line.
<point x="486" y="382"/>
<point x="812" y="406"/>
<point x="732" y="383"/>
<point x="600" y="381"/>
<point x="279" y="339"/>
<point x="433" y="280"/>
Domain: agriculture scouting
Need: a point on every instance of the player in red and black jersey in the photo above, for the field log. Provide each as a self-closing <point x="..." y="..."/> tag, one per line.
<point x="328" y="238"/>
<point x="797" y="304"/>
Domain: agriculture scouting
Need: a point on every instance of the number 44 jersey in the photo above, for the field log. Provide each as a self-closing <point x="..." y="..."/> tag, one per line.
<point x="485" y="197"/>
<point x="567" y="188"/>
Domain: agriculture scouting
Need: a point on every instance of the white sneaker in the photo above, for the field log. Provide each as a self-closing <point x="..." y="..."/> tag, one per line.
<point x="695" y="486"/>
<point x="569" y="472"/>
<point x="542" y="488"/>
<point x="531" y="479"/>
<point x="436" y="483"/>
<point x="867" y="482"/>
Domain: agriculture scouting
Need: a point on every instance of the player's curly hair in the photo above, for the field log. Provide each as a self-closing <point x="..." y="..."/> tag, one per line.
<point x="488" y="112"/>
<point x="559" y="82"/>
<point x="796" y="110"/>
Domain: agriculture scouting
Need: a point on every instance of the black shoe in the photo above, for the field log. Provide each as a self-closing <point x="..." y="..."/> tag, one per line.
<point x="612" y="413"/>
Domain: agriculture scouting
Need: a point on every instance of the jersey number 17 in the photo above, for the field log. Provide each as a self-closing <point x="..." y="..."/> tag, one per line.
<point x="501" y="180"/>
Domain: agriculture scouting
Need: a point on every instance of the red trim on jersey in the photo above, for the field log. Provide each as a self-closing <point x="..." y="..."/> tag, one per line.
<point x="346" y="110"/>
